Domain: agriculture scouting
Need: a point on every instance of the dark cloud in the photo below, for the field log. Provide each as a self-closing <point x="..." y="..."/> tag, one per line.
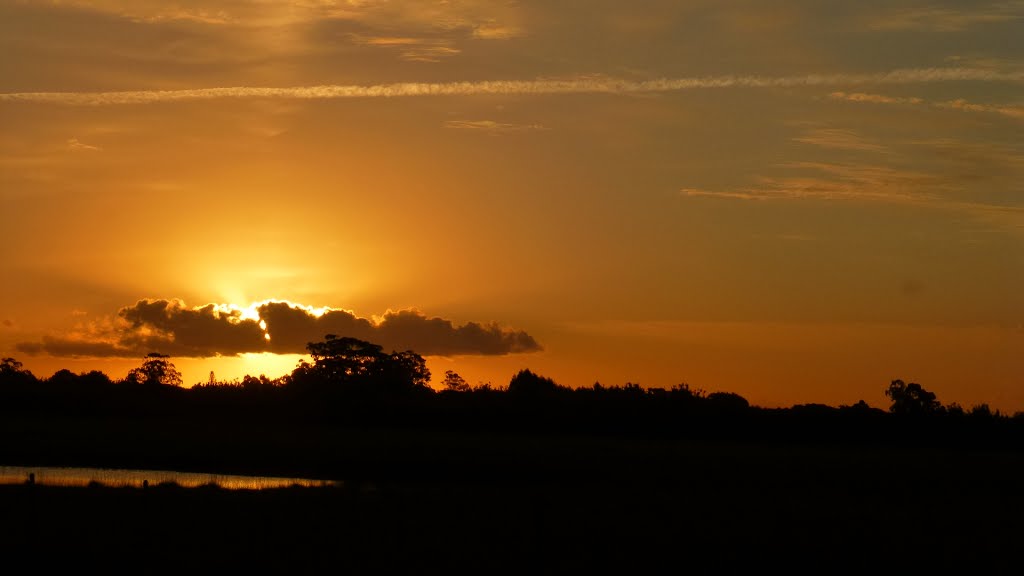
<point x="171" y="327"/>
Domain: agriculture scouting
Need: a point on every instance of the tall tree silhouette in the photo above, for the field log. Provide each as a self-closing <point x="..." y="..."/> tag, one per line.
<point x="13" y="372"/>
<point x="10" y="367"/>
<point x="452" y="381"/>
<point x="156" y="370"/>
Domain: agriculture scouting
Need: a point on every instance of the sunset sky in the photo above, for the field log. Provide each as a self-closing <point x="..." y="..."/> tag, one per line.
<point x="797" y="200"/>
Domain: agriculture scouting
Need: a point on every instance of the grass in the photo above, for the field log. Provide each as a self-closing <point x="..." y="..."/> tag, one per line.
<point x="563" y="504"/>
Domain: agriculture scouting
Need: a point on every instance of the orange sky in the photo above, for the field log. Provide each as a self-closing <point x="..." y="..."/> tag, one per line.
<point x="798" y="202"/>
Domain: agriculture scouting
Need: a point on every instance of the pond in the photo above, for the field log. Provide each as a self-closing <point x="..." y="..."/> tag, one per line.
<point x="55" y="476"/>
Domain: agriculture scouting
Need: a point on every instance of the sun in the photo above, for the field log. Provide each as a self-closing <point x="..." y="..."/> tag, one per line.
<point x="237" y="313"/>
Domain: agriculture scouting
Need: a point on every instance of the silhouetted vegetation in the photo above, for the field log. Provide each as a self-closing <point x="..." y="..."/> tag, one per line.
<point x="350" y="384"/>
<point x="528" y="473"/>
<point x="912" y="399"/>
<point x="157" y="370"/>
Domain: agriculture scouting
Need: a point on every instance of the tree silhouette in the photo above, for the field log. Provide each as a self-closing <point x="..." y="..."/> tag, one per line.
<point x="729" y="401"/>
<point x="156" y="370"/>
<point x="354" y="363"/>
<point x="406" y="368"/>
<point x="344" y="359"/>
<point x="911" y="399"/>
<point x="12" y="372"/>
<point x="528" y="383"/>
<point x="452" y="381"/>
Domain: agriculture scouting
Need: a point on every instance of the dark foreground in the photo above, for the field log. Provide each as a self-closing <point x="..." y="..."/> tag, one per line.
<point x="650" y="507"/>
<point x="534" y="479"/>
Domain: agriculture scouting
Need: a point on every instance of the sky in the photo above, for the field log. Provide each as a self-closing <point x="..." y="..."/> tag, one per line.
<point x="797" y="201"/>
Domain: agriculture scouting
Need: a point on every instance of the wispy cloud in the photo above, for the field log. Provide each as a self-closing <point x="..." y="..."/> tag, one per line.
<point x="940" y="19"/>
<point x="834" y="181"/>
<point x="156" y="11"/>
<point x="76" y="146"/>
<point x="838" y="138"/>
<point x="733" y="194"/>
<point x="492" y="127"/>
<point x="495" y="31"/>
<point x="411" y="48"/>
<point x="489" y="19"/>
<point x="874" y="98"/>
<point x="822" y="181"/>
<point x="195" y="15"/>
<point x="576" y="85"/>
<point x="961" y="104"/>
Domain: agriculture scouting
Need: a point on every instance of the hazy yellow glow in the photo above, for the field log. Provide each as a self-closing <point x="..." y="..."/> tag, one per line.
<point x="791" y="203"/>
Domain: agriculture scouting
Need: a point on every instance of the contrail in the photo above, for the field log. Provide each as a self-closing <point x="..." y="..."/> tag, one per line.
<point x="580" y="85"/>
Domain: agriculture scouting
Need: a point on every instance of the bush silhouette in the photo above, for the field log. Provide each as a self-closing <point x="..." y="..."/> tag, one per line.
<point x="526" y="383"/>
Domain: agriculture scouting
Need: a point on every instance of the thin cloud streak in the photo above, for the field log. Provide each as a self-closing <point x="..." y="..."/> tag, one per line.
<point x="958" y="104"/>
<point x="822" y="189"/>
<point x="938" y="19"/>
<point x="838" y="139"/>
<point x="492" y="127"/>
<point x="865" y="183"/>
<point x="579" y="85"/>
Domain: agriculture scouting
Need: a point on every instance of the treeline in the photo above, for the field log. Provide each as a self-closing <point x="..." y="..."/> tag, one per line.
<point x="355" y="383"/>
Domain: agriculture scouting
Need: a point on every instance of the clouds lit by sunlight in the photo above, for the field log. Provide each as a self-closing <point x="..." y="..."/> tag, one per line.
<point x="281" y="327"/>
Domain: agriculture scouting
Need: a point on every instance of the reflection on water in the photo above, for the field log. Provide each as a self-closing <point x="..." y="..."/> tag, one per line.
<point x="115" y="477"/>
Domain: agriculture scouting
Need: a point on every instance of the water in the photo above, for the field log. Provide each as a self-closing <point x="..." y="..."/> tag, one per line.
<point x="54" y="476"/>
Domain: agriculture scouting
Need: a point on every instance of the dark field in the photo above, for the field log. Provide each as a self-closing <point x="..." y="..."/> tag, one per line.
<point x="554" y="503"/>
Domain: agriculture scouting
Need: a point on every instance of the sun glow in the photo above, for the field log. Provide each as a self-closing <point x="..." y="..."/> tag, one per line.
<point x="233" y="368"/>
<point x="237" y="314"/>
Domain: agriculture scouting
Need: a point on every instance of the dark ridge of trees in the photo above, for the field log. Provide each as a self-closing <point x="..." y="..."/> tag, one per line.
<point x="356" y="384"/>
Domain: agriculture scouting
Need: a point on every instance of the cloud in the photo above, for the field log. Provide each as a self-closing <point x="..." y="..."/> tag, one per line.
<point x="937" y="19"/>
<point x="148" y="11"/>
<point x="491" y="127"/>
<point x="499" y="19"/>
<point x="76" y="146"/>
<point x="825" y="181"/>
<point x="838" y="138"/>
<point x="494" y="31"/>
<point x="413" y="49"/>
<point x="873" y="98"/>
<point x="172" y="327"/>
<point x="178" y="15"/>
<point x="484" y="19"/>
<point x="961" y="104"/>
<point x="573" y="85"/>
<point x="836" y="181"/>
<point x="736" y="195"/>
